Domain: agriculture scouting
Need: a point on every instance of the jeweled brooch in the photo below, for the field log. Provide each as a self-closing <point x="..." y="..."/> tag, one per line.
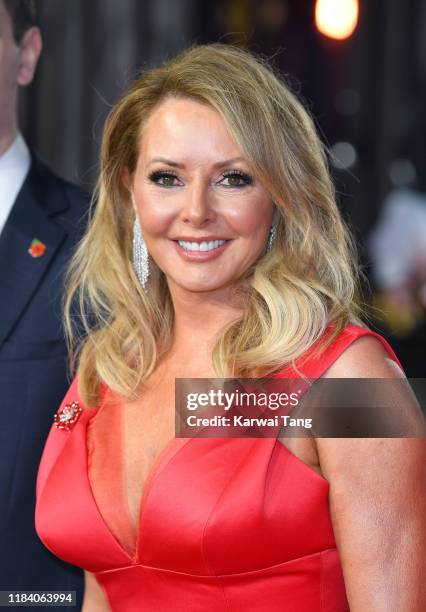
<point x="67" y="416"/>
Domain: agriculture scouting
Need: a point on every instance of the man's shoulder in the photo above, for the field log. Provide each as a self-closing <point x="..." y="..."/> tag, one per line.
<point x="66" y="202"/>
<point x="41" y="170"/>
<point x="47" y="181"/>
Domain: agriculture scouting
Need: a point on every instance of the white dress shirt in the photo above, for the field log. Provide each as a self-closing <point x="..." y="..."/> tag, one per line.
<point x="14" y="166"/>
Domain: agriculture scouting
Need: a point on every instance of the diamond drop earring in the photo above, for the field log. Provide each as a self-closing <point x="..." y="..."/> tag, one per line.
<point x="140" y="255"/>
<point x="271" y="237"/>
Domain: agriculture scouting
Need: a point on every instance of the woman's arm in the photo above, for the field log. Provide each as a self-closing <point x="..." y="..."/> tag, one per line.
<point x="377" y="502"/>
<point x="94" y="597"/>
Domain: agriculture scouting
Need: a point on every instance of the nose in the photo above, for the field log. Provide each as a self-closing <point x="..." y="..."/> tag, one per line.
<point x="198" y="209"/>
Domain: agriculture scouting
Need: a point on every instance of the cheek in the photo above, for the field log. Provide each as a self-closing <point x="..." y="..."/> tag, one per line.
<point x="155" y="218"/>
<point x="9" y="66"/>
<point x="251" y="218"/>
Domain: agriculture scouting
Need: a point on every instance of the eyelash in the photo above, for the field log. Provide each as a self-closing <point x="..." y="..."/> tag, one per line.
<point x="157" y="175"/>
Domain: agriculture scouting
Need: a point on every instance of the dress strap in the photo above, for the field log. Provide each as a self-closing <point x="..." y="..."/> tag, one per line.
<point x="314" y="366"/>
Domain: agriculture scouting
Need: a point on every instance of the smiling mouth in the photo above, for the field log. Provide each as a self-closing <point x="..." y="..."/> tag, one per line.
<point x="201" y="246"/>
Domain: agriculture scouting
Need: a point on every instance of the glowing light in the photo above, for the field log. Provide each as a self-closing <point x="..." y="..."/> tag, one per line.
<point x="336" y="18"/>
<point x="343" y="155"/>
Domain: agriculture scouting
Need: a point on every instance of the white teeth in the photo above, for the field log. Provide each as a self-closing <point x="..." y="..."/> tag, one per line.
<point x="201" y="246"/>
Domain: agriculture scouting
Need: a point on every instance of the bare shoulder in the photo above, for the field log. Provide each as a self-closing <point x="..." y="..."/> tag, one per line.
<point x="362" y="468"/>
<point x="351" y="459"/>
<point x="366" y="357"/>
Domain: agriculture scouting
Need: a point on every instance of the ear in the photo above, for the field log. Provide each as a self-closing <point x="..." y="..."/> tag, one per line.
<point x="29" y="51"/>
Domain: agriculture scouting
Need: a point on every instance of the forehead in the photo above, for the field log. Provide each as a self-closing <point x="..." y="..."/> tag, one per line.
<point x="182" y="128"/>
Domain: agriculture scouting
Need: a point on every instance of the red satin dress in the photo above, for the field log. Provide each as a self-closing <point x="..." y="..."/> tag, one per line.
<point x="225" y="525"/>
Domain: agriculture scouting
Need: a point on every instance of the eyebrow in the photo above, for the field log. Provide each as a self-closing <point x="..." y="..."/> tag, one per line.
<point x="174" y="164"/>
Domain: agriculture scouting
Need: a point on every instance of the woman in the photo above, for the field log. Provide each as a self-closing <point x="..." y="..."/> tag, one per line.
<point x="214" y="181"/>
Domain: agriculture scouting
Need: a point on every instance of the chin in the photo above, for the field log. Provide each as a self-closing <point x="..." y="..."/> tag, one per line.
<point x="201" y="285"/>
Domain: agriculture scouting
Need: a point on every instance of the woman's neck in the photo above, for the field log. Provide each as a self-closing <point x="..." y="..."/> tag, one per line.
<point x="199" y="320"/>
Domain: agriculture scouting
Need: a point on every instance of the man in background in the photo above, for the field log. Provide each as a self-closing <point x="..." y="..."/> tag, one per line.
<point x="41" y="218"/>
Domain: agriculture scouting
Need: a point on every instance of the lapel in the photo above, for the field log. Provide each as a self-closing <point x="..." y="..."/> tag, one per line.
<point x="40" y="198"/>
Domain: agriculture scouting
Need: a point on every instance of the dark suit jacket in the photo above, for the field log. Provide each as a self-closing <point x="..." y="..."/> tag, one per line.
<point x="33" y="369"/>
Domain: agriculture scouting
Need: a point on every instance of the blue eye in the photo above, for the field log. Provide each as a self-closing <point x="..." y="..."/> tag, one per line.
<point x="165" y="179"/>
<point x="236" y="178"/>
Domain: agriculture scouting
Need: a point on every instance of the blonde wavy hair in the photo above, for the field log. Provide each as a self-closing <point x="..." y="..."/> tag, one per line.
<point x="308" y="280"/>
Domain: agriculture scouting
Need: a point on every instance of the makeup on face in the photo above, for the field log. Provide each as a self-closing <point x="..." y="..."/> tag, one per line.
<point x="204" y="216"/>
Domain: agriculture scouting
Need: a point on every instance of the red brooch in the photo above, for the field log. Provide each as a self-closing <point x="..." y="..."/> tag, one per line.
<point x="67" y="416"/>
<point x="37" y="248"/>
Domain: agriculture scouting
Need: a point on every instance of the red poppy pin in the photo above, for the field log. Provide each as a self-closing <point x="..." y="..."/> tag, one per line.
<point x="67" y="416"/>
<point x="37" y="248"/>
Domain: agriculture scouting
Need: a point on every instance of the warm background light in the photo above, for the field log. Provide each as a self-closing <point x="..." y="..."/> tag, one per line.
<point x="336" y="18"/>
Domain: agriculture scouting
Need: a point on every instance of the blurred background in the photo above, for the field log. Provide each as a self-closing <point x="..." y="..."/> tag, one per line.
<point x="359" y="67"/>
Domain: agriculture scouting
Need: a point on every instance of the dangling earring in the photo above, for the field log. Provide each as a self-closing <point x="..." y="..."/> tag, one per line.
<point x="271" y="237"/>
<point x="140" y="255"/>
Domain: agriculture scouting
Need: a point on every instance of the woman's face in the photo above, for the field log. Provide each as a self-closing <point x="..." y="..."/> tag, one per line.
<point x="204" y="217"/>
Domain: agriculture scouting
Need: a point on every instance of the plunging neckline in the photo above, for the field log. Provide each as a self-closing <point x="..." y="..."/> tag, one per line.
<point x="160" y="463"/>
<point x="163" y="458"/>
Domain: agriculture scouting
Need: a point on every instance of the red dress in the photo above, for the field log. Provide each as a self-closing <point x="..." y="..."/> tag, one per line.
<point x="226" y="524"/>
